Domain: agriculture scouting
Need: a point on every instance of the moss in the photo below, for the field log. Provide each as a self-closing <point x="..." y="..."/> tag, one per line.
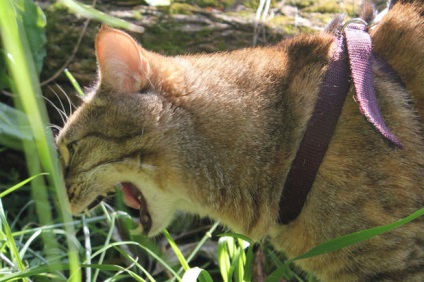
<point x="209" y="3"/>
<point x="254" y="4"/>
<point x="205" y="32"/>
<point x="167" y="38"/>
<point x="180" y="8"/>
<point x="245" y="14"/>
<point x="323" y="18"/>
<point x="58" y="7"/>
<point x="137" y="15"/>
<point x="301" y="3"/>
<point x="280" y="20"/>
<point x="288" y="27"/>
<point x="331" y="6"/>
<point x="214" y="3"/>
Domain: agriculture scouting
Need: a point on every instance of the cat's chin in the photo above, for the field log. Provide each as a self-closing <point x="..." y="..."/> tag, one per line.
<point x="133" y="198"/>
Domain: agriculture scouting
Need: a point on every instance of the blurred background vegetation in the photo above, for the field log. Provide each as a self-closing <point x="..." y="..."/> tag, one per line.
<point x="37" y="235"/>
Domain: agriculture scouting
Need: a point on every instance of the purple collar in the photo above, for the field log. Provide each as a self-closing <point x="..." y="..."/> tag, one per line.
<point x="352" y="60"/>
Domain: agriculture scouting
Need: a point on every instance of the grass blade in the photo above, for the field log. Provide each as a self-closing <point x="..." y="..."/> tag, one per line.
<point x="19" y="185"/>
<point x="344" y="241"/>
<point x="34" y="271"/>
<point x="206" y="237"/>
<point x="10" y="241"/>
<point x="129" y="257"/>
<point x="150" y="252"/>
<point x="353" y="238"/>
<point x="176" y="250"/>
<point x="74" y="83"/>
<point x="249" y="263"/>
<point x="91" y="13"/>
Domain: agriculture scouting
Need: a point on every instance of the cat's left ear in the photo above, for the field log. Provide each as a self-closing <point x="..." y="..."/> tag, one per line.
<point x="122" y="66"/>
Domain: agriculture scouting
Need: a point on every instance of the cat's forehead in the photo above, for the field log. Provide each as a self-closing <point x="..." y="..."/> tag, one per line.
<point x="79" y="120"/>
<point x="114" y="115"/>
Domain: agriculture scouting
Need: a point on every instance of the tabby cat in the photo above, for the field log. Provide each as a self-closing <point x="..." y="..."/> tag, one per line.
<point x="216" y="134"/>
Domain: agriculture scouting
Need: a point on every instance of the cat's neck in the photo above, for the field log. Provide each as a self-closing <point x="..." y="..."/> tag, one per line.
<point x="251" y="118"/>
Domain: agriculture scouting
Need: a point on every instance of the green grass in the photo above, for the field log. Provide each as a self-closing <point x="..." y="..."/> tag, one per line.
<point x="40" y="241"/>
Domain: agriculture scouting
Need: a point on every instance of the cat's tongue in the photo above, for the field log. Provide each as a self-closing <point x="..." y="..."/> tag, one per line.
<point x="132" y="195"/>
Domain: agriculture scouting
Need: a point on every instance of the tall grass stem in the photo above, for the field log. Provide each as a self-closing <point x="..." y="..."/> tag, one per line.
<point x="22" y="70"/>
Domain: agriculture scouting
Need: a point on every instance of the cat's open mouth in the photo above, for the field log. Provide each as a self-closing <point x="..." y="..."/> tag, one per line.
<point x="133" y="198"/>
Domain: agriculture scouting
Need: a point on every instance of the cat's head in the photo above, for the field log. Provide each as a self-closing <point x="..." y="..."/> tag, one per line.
<point x="121" y="135"/>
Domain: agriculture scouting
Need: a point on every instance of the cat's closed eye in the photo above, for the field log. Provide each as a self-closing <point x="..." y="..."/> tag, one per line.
<point x="72" y="147"/>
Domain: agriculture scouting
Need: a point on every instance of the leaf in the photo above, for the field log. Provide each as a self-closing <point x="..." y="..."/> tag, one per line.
<point x="192" y="274"/>
<point x="238" y="236"/>
<point x="11" y="130"/>
<point x="91" y="13"/>
<point x="34" y="22"/>
<point x="280" y="272"/>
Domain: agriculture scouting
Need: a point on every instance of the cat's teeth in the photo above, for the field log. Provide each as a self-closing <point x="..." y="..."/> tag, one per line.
<point x="145" y="220"/>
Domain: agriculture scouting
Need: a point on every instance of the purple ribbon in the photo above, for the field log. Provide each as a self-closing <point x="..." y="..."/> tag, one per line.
<point x="359" y="49"/>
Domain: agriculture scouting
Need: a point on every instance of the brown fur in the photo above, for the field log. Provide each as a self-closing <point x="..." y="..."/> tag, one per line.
<point x="216" y="134"/>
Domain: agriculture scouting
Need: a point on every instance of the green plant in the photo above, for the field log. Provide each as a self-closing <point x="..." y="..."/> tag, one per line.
<point x="15" y="17"/>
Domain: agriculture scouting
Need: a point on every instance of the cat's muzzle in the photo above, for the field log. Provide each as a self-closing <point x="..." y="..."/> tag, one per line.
<point x="98" y="199"/>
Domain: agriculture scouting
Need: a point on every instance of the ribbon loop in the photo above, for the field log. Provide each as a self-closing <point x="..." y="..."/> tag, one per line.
<point x="359" y="50"/>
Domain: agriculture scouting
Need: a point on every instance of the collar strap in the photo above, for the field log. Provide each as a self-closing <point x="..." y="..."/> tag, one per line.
<point x="351" y="59"/>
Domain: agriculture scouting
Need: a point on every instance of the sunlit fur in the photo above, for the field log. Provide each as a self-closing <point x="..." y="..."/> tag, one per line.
<point x="216" y="134"/>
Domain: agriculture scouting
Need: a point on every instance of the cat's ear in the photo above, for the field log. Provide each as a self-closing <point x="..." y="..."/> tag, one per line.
<point x="122" y="66"/>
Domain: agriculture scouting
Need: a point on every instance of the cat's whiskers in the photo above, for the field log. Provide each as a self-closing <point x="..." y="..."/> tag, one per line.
<point x="72" y="106"/>
<point x="55" y="129"/>
<point x="148" y="167"/>
<point x="60" y="100"/>
<point x="61" y="113"/>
